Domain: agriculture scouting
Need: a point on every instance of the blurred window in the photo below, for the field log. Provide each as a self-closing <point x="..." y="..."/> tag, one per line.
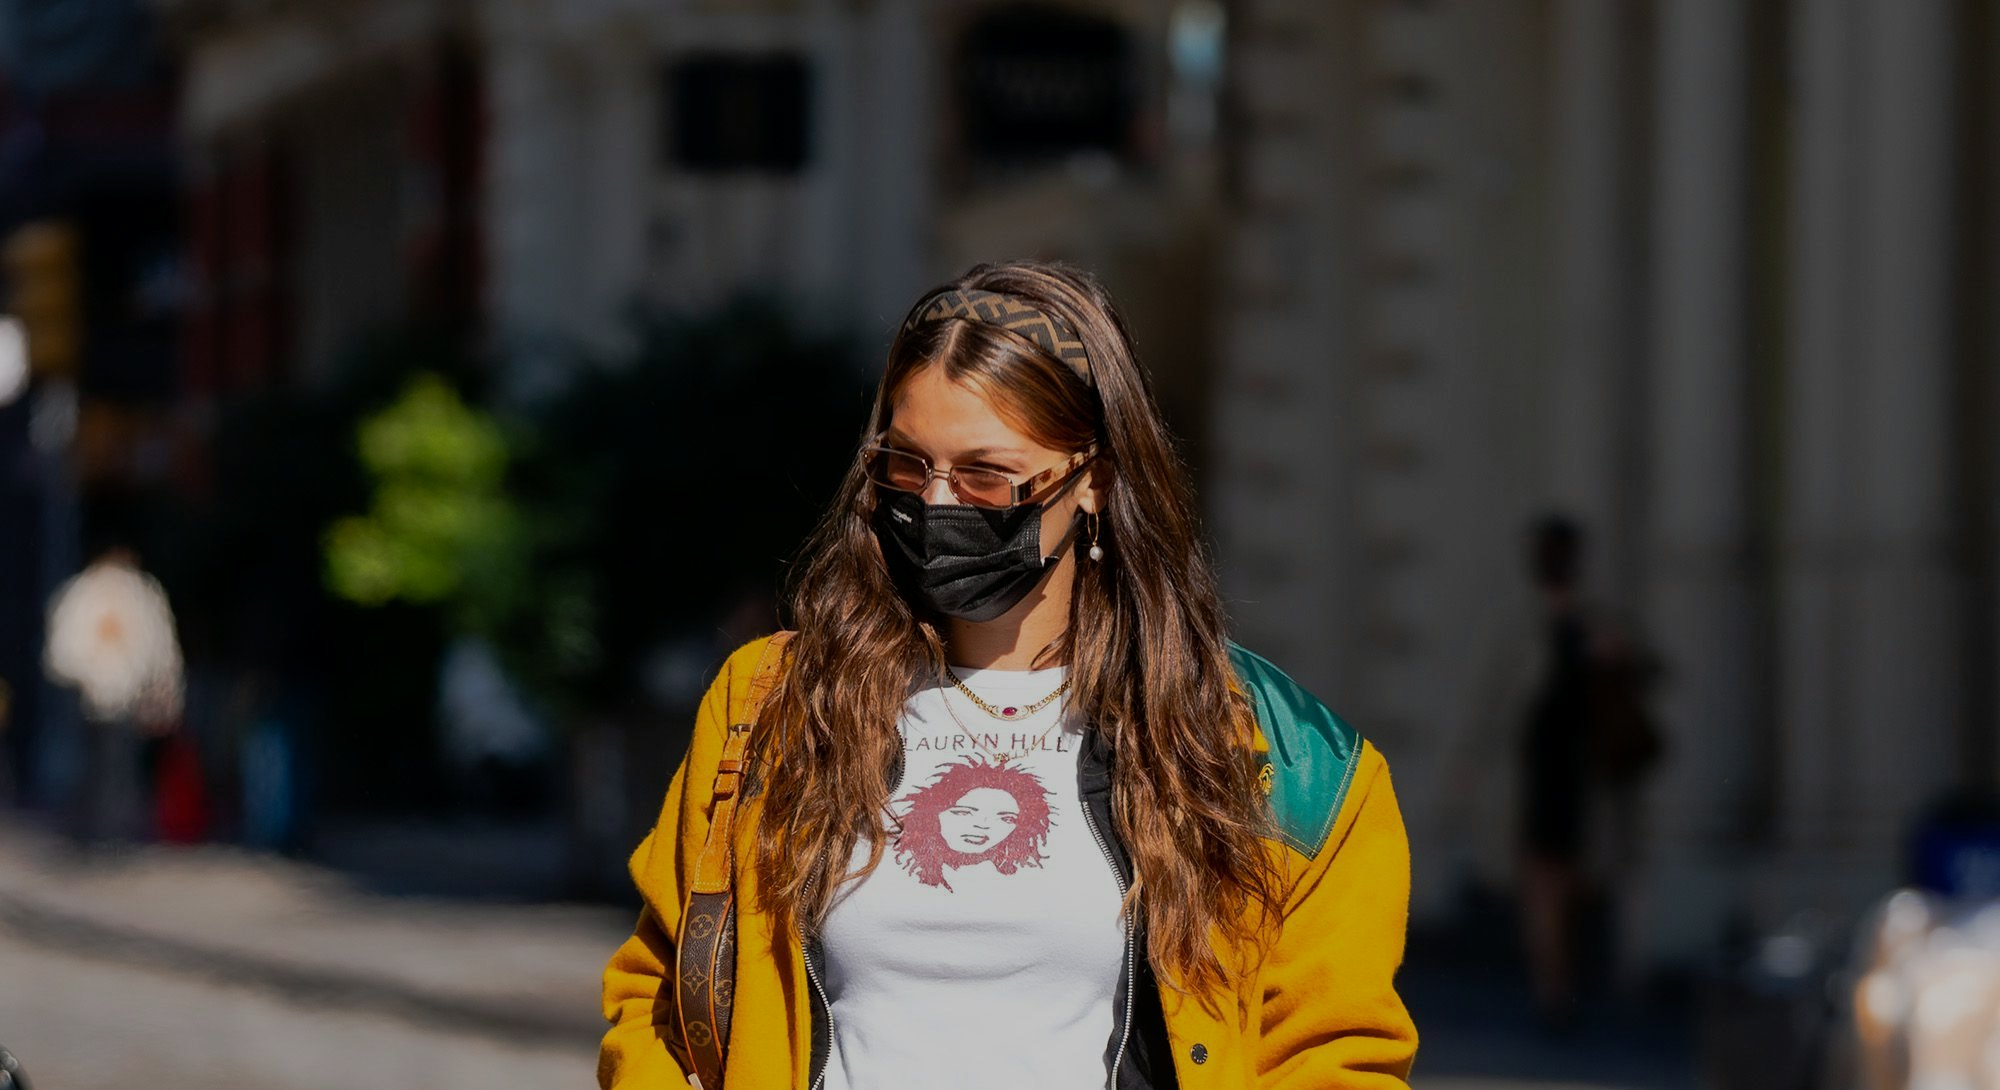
<point x="1039" y="82"/>
<point x="1195" y="42"/>
<point x="1196" y="46"/>
<point x="736" y="113"/>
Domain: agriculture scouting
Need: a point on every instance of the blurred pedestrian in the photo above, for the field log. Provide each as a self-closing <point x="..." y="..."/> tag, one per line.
<point x="495" y="746"/>
<point x="111" y="637"/>
<point x="1009" y="781"/>
<point x="1926" y="998"/>
<point x="1586" y="740"/>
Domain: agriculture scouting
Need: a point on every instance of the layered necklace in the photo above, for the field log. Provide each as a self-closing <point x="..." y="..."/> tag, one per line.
<point x="1005" y="713"/>
<point x="1010" y="712"/>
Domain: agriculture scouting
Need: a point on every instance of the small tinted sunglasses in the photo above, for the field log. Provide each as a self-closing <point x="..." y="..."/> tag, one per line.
<point x="906" y="471"/>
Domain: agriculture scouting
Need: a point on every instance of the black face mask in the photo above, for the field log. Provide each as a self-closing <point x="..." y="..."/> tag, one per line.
<point x="964" y="561"/>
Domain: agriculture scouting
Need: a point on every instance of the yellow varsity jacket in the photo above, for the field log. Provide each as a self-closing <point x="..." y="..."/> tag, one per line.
<point x="1320" y="1011"/>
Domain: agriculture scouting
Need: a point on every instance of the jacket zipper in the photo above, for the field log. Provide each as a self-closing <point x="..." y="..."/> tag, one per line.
<point x="1131" y="967"/>
<point x="812" y="974"/>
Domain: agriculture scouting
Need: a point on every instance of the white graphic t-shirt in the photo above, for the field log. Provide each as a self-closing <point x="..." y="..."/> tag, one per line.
<point x="985" y="948"/>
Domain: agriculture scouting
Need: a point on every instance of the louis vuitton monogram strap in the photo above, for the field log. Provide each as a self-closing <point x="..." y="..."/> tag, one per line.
<point x="705" y="955"/>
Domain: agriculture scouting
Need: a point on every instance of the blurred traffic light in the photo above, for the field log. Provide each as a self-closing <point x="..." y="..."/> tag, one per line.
<point x="44" y="289"/>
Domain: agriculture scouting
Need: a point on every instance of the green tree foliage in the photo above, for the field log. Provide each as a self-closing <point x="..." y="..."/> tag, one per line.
<point x="442" y="528"/>
<point x="242" y="554"/>
<point x="657" y="492"/>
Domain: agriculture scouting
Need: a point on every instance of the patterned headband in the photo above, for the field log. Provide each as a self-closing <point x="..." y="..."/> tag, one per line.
<point x="1048" y="332"/>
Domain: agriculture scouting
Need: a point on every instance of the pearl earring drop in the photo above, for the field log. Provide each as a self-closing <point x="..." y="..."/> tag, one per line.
<point x="1096" y="550"/>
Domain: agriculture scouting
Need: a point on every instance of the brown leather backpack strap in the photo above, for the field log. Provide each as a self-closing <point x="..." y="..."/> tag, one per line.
<point x="704" y="974"/>
<point x="705" y="955"/>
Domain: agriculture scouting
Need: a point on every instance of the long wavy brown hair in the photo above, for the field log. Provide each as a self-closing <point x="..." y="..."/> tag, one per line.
<point x="1146" y="645"/>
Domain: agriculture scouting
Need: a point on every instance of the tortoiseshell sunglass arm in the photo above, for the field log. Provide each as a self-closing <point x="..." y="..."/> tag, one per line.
<point x="1027" y="489"/>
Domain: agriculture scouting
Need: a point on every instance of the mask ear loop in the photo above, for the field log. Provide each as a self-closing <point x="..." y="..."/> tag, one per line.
<point x="1063" y="545"/>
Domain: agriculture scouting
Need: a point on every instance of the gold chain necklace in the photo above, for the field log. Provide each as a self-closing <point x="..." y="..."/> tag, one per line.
<point x="1010" y="712"/>
<point x="1019" y="752"/>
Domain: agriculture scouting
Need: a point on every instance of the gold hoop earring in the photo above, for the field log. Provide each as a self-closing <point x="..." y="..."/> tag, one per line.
<point x="1096" y="550"/>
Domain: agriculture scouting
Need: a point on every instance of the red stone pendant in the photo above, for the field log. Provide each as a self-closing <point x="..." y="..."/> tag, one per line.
<point x="1010" y="712"/>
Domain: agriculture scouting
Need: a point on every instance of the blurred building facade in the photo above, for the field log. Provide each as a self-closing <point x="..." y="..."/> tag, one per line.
<point x="531" y="172"/>
<point x="1713" y="276"/>
<point x="565" y="160"/>
<point x="1707" y="274"/>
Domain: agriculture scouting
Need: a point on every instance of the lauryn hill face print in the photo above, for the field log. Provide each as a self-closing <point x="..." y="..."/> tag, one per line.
<point x="971" y="812"/>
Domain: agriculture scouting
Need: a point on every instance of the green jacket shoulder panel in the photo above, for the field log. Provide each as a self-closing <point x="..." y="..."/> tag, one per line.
<point x="1312" y="754"/>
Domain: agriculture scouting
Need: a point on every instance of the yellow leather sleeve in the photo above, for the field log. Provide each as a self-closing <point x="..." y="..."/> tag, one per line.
<point x="1331" y="1015"/>
<point x="641" y="1049"/>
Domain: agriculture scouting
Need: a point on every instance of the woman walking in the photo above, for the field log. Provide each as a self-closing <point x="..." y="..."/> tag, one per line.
<point x="1007" y="808"/>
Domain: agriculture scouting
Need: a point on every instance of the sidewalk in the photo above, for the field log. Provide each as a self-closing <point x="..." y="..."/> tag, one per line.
<point x="1476" y="1019"/>
<point x="525" y="976"/>
<point x="528" y="973"/>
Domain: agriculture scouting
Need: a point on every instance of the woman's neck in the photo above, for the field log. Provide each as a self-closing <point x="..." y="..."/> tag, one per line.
<point x="1015" y="640"/>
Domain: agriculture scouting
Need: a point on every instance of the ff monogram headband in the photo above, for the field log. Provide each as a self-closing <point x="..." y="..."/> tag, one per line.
<point x="1048" y="332"/>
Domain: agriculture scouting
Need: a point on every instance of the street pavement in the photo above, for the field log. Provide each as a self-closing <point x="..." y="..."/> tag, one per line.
<point x="216" y="969"/>
<point x="211" y="968"/>
<point x="1475" y="1017"/>
<point x="80" y="1022"/>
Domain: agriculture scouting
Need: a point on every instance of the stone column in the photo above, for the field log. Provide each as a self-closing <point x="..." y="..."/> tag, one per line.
<point x="573" y="138"/>
<point x="898" y="80"/>
<point x="1989" y="480"/>
<point x="619" y="103"/>
<point x="1697" y="595"/>
<point x="1818" y="635"/>
<point x="1907" y="676"/>
<point x="531" y="201"/>
<point x="1873" y="673"/>
<point x="1592" y="380"/>
<point x="1279" y="489"/>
